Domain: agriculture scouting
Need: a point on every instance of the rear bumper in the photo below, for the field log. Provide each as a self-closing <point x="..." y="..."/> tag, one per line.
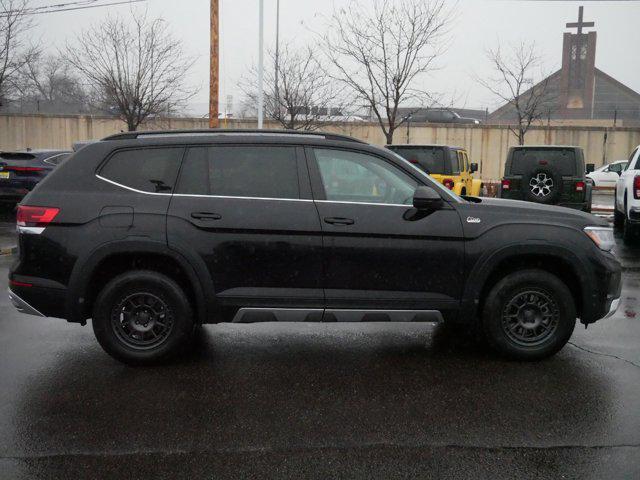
<point x="42" y="301"/>
<point x="613" y="308"/>
<point x="22" y="306"/>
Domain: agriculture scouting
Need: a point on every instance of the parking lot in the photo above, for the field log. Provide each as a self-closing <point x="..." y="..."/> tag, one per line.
<point x="321" y="401"/>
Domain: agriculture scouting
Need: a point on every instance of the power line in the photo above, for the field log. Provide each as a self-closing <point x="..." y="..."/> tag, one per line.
<point x="66" y="7"/>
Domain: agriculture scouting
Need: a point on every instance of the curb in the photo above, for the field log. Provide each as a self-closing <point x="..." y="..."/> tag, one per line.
<point x="8" y="250"/>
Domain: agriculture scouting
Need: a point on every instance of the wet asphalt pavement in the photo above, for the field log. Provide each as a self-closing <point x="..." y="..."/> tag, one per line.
<point x="320" y="401"/>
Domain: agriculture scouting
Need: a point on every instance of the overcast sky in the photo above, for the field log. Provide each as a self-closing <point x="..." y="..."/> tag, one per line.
<point x="480" y="24"/>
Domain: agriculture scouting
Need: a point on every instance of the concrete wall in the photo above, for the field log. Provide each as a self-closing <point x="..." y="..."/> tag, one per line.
<point x="487" y="144"/>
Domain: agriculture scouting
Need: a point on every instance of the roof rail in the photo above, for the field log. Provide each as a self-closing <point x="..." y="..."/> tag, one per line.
<point x="224" y="131"/>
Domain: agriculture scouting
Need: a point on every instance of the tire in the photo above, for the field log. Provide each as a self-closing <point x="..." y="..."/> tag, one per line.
<point x="145" y="340"/>
<point x="519" y="338"/>
<point x="547" y="188"/>
<point x="630" y="233"/>
<point x="618" y="216"/>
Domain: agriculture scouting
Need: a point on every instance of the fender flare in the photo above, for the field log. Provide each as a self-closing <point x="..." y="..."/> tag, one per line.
<point x="486" y="265"/>
<point x="476" y="187"/>
<point x="86" y="264"/>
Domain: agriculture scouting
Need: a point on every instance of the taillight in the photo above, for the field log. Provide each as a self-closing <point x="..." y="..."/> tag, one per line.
<point x="22" y="169"/>
<point x="29" y="217"/>
<point x="580" y="186"/>
<point x="506" y="184"/>
<point x="636" y="187"/>
<point x="447" y="182"/>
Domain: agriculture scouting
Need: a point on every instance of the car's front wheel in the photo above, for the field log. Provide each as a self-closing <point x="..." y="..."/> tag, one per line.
<point x="142" y="317"/>
<point x="529" y="315"/>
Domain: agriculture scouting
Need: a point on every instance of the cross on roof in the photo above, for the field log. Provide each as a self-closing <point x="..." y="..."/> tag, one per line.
<point x="579" y="24"/>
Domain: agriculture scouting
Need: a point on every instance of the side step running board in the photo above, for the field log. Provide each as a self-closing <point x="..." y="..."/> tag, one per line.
<point x="254" y="315"/>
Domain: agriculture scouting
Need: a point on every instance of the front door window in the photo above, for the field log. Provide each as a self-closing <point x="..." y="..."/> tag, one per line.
<point x="356" y="177"/>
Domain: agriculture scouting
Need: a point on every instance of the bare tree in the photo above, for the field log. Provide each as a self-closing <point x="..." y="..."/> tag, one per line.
<point x="382" y="52"/>
<point x="50" y="80"/>
<point x="137" y="69"/>
<point x="298" y="93"/>
<point x="513" y="83"/>
<point x="15" y="50"/>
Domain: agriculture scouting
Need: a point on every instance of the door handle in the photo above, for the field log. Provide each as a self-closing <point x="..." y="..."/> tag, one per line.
<point x="206" y="216"/>
<point x="338" y="221"/>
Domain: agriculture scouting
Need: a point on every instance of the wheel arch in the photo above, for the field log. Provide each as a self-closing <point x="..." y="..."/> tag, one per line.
<point x="558" y="261"/>
<point x="109" y="260"/>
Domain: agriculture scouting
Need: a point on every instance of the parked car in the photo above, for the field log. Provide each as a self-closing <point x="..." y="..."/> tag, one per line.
<point x="608" y="175"/>
<point x="443" y="115"/>
<point x="549" y="174"/>
<point x="626" y="210"/>
<point x="21" y="171"/>
<point x="448" y="165"/>
<point x="151" y="234"/>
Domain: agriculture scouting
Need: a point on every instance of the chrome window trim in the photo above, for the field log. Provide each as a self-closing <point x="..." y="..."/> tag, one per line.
<point x="367" y="203"/>
<point x="243" y="198"/>
<point x="46" y="160"/>
<point x="252" y="198"/>
<point x="202" y="196"/>
<point x="130" y="188"/>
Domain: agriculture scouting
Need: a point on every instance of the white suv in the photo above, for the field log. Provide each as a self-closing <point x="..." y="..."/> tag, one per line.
<point x="627" y="200"/>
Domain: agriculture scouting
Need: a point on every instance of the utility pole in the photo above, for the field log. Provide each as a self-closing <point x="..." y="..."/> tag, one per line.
<point x="261" y="66"/>
<point x="214" y="66"/>
<point x="277" y="63"/>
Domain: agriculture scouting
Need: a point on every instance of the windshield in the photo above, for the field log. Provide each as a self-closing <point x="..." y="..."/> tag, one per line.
<point x="447" y="194"/>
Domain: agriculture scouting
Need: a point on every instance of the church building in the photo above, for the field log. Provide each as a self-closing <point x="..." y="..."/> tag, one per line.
<point x="580" y="92"/>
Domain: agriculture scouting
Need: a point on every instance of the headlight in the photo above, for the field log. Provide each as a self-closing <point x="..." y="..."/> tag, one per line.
<point x="602" y="237"/>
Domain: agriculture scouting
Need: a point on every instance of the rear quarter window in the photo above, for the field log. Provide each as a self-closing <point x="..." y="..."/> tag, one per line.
<point x="151" y="170"/>
<point x="562" y="159"/>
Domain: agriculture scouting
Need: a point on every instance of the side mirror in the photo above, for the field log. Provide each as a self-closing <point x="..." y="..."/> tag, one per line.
<point x="619" y="172"/>
<point x="426" y="198"/>
<point x="590" y="167"/>
<point x="473" y="167"/>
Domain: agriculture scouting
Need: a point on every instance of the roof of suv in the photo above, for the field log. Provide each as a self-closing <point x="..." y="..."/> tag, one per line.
<point x="425" y="145"/>
<point x="545" y="146"/>
<point x="230" y="132"/>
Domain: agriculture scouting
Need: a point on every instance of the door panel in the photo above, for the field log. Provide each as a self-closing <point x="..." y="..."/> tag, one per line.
<point x="387" y="255"/>
<point x="260" y="251"/>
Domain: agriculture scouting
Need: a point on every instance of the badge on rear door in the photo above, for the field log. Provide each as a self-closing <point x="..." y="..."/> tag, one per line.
<point x="473" y="220"/>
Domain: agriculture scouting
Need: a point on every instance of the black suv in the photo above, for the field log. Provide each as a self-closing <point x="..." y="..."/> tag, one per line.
<point x="552" y="175"/>
<point x="152" y="234"/>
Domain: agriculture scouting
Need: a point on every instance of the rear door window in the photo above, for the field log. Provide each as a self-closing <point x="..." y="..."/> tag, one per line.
<point x="240" y="171"/>
<point x="526" y="159"/>
<point x="431" y="159"/>
<point x="151" y="170"/>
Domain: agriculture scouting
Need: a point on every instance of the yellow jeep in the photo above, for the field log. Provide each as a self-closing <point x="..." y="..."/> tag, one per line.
<point x="448" y="165"/>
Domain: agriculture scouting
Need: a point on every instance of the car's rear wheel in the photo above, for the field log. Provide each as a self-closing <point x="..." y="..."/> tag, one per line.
<point x="529" y="315"/>
<point x="142" y="317"/>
